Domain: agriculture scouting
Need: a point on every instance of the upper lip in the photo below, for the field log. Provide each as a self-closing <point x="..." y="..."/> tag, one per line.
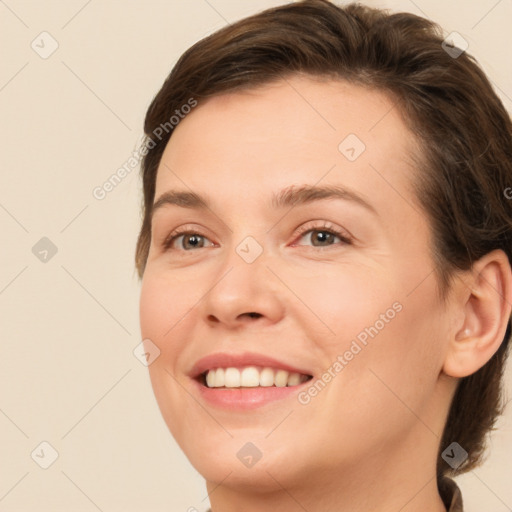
<point x="225" y="360"/>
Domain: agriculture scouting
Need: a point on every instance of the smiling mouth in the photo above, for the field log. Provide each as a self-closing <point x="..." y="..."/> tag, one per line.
<point x="251" y="377"/>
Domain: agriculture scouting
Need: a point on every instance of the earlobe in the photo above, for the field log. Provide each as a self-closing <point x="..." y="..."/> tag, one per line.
<point x="486" y="311"/>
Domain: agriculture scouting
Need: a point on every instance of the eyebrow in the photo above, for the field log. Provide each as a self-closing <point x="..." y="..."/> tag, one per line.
<point x="288" y="197"/>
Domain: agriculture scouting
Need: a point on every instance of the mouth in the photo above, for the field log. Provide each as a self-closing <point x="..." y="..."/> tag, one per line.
<point x="251" y="377"/>
<point x="246" y="381"/>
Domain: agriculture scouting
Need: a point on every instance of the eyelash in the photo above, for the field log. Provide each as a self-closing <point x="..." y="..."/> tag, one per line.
<point x="324" y="228"/>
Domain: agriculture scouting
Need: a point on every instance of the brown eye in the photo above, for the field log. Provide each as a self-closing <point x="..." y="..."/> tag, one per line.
<point x="193" y="241"/>
<point x="189" y="241"/>
<point x="322" y="237"/>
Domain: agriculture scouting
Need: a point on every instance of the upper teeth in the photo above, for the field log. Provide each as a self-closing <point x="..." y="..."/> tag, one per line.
<point x="251" y="377"/>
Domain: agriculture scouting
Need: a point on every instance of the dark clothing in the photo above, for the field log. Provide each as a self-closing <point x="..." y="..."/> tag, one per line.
<point x="450" y="493"/>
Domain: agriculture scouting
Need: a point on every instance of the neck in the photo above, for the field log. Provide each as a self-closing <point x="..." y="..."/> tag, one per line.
<point x="407" y="499"/>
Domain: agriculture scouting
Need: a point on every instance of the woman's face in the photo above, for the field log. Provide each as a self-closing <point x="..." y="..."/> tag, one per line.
<point x="338" y="289"/>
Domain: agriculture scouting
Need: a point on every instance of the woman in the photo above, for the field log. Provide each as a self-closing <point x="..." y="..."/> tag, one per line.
<point x="325" y="260"/>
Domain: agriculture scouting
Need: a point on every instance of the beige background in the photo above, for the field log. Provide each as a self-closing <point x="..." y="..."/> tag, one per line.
<point x="69" y="325"/>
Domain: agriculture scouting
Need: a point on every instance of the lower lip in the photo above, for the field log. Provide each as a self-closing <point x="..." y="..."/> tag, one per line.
<point x="246" y="398"/>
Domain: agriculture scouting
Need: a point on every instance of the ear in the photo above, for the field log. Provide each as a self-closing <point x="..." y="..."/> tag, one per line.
<point x="486" y="306"/>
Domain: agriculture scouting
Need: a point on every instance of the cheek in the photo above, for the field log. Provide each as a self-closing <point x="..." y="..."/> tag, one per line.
<point x="380" y="329"/>
<point x="155" y="307"/>
<point x="163" y="305"/>
<point x="346" y="301"/>
<point x="397" y="366"/>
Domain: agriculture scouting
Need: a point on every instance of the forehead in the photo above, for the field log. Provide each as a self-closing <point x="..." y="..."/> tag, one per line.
<point x="298" y="130"/>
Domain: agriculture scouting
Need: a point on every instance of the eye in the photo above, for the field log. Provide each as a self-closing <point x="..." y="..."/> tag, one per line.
<point x="324" y="235"/>
<point x="189" y="240"/>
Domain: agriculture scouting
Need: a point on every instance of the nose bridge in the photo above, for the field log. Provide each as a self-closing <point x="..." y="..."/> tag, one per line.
<point x="244" y="285"/>
<point x="244" y="267"/>
<point x="248" y="245"/>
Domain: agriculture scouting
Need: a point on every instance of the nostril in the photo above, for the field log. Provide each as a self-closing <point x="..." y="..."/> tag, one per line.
<point x="254" y="315"/>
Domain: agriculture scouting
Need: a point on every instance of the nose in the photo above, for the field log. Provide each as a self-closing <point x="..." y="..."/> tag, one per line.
<point x="244" y="293"/>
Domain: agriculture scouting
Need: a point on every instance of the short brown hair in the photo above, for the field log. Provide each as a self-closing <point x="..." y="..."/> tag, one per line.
<point x="448" y="104"/>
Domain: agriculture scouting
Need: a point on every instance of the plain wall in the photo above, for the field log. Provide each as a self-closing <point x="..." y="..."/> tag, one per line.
<point x="69" y="325"/>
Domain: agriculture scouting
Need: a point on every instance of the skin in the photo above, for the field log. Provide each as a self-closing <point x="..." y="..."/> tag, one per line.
<point x="369" y="439"/>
